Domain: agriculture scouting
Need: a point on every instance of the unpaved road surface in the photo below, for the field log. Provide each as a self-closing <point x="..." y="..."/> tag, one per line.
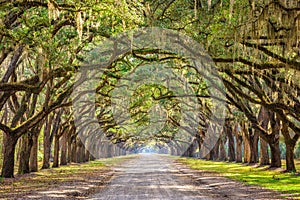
<point x="151" y="176"/>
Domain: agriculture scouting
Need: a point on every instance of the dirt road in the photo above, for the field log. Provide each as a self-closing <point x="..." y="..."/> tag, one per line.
<point x="152" y="176"/>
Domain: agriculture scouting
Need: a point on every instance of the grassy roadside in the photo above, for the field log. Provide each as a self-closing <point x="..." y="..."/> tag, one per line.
<point x="287" y="183"/>
<point x="93" y="174"/>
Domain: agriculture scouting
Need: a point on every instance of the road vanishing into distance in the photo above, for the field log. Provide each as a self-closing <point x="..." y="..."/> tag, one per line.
<point x="154" y="176"/>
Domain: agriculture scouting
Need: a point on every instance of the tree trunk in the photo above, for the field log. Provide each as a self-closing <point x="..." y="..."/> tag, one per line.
<point x="49" y="139"/>
<point x="82" y="152"/>
<point x="63" y="153"/>
<point x="172" y="150"/>
<point x="215" y="151"/>
<point x="86" y="156"/>
<point x="105" y="151"/>
<point x="264" y="153"/>
<point x="275" y="155"/>
<point x="56" y="151"/>
<point x="246" y="140"/>
<point x="222" y="153"/>
<point x="92" y="158"/>
<point x="2" y="148"/>
<point x="18" y="147"/>
<point x="33" y="162"/>
<point x="79" y="155"/>
<point x="199" y="143"/>
<point x="190" y="150"/>
<point x="263" y="118"/>
<point x="254" y="136"/>
<point x="290" y="163"/>
<point x="47" y="143"/>
<point x="231" y="150"/>
<point x="238" y="145"/>
<point x="10" y="142"/>
<point x="69" y="151"/>
<point x="274" y="142"/>
<point x="110" y="150"/>
<point x="25" y="153"/>
<point x="73" y="150"/>
<point x="239" y="142"/>
<point x="290" y="144"/>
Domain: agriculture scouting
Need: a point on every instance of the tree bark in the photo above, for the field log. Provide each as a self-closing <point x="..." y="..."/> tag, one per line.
<point x="231" y="150"/>
<point x="25" y="153"/>
<point x="215" y="151"/>
<point x="79" y="154"/>
<point x="246" y="140"/>
<point x="86" y="156"/>
<point x="290" y="144"/>
<point x="274" y="142"/>
<point x="254" y="136"/>
<point x="109" y="150"/>
<point x="222" y="152"/>
<point x="63" y="153"/>
<point x="10" y="142"/>
<point x="82" y="152"/>
<point x="264" y="152"/>
<point x="69" y="151"/>
<point x="47" y="143"/>
<point x="190" y="150"/>
<point x="263" y="118"/>
<point x="48" y="138"/>
<point x="290" y="163"/>
<point x="56" y="151"/>
<point x="275" y="155"/>
<point x="172" y="150"/>
<point x="73" y="150"/>
<point x="33" y="162"/>
<point x="19" y="148"/>
<point x="92" y="157"/>
<point x="199" y="142"/>
<point x="239" y="142"/>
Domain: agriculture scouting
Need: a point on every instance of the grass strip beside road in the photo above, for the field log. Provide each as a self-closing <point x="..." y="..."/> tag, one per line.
<point x="287" y="183"/>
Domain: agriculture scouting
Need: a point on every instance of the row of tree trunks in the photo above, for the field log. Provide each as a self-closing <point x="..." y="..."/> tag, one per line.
<point x="241" y="137"/>
<point x="67" y="147"/>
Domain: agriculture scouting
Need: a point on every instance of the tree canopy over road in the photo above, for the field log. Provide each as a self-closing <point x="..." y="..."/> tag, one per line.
<point x="253" y="43"/>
